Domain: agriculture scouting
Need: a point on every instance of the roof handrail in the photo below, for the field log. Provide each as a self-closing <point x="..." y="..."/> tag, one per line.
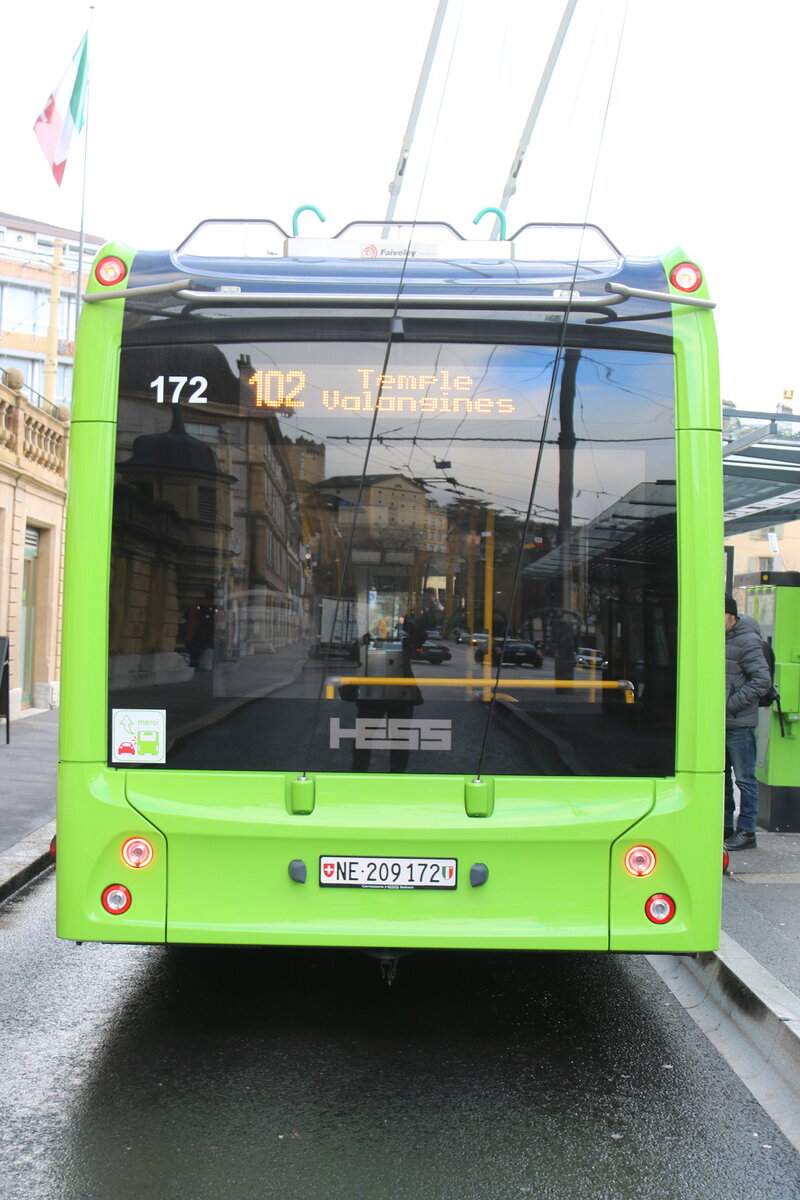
<point x="501" y="217"/>
<point x="230" y="221"/>
<point x="304" y="208"/>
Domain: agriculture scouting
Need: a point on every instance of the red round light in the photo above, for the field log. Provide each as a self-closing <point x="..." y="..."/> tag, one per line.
<point x="116" y="899"/>
<point x="686" y="277"/>
<point x="659" y="909"/>
<point x="137" y="852"/>
<point x="640" y="860"/>
<point x="110" y="270"/>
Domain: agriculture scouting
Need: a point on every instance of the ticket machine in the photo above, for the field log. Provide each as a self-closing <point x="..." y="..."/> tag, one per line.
<point x="773" y="598"/>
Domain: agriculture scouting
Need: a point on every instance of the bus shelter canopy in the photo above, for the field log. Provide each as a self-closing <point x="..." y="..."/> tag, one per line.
<point x="761" y="481"/>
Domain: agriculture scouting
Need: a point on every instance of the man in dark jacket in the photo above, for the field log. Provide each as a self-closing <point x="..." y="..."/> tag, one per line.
<point x="746" y="679"/>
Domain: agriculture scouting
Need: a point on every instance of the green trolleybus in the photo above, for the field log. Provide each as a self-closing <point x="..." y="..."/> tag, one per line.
<point x="393" y="595"/>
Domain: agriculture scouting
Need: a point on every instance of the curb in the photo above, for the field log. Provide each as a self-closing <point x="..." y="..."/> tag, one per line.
<point x="21" y="863"/>
<point x="750" y="1017"/>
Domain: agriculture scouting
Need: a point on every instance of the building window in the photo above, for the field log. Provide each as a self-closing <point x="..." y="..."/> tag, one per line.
<point x="66" y="317"/>
<point x="761" y="535"/>
<point x="33" y="377"/>
<point x="204" y="433"/>
<point x="207" y="504"/>
<point x="48" y="244"/>
<point x="64" y="383"/>
<point x="24" y="309"/>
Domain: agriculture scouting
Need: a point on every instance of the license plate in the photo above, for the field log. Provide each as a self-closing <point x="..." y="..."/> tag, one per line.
<point x="336" y="870"/>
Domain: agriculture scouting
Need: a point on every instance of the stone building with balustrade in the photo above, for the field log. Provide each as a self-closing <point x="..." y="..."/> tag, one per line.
<point x="37" y="325"/>
<point x="33" y="488"/>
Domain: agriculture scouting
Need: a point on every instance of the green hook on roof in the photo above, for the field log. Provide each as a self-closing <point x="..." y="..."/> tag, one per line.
<point x="498" y="212"/>
<point x="304" y="208"/>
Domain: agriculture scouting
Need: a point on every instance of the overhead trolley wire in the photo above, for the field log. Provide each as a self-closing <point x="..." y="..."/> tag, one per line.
<point x="371" y="438"/>
<point x="551" y="392"/>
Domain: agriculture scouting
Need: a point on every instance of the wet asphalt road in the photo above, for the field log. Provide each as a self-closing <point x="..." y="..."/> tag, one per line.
<point x="225" y="1074"/>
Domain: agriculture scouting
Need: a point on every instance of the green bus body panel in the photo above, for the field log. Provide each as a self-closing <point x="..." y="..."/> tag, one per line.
<point x="697" y="388"/>
<point x="700" y="736"/>
<point x="685" y="831"/>
<point x="97" y="351"/>
<point x="84" y="656"/>
<point x="222" y="852"/>
<point x="82" y="726"/>
<point x="533" y="897"/>
<point x="93" y="821"/>
<point x="554" y="847"/>
<point x="700" y="740"/>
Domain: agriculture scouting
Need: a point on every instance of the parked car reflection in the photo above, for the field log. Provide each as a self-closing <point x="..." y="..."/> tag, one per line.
<point x="513" y="652"/>
<point x="586" y="656"/>
<point x="431" y="651"/>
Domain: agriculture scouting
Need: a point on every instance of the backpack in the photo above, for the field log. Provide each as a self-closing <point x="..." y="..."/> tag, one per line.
<point x="772" y="696"/>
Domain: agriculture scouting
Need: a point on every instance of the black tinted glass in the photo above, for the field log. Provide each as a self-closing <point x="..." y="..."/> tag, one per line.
<point x="440" y="561"/>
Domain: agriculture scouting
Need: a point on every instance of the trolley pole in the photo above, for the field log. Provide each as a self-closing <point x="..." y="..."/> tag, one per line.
<point x="533" y="115"/>
<point x="411" y="128"/>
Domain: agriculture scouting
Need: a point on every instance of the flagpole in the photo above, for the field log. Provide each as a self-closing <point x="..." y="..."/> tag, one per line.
<point x="82" y="232"/>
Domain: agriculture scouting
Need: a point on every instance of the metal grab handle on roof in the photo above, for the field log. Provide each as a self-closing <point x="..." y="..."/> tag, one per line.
<point x="417" y="300"/>
<point x="147" y="289"/>
<point x="304" y="208"/>
<point x="207" y="296"/>
<point x="501" y="216"/>
<point x="622" y="289"/>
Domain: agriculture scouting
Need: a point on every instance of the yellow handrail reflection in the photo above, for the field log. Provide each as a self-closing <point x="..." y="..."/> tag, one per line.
<point x="623" y="685"/>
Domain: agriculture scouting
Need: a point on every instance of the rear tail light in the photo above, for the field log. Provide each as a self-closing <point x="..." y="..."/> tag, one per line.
<point x="116" y="899"/>
<point x="686" y="277"/>
<point x="726" y="862"/>
<point x="110" y="270"/>
<point x="137" y="852"/>
<point x="640" y="860"/>
<point x="659" y="909"/>
<point x="53" y="849"/>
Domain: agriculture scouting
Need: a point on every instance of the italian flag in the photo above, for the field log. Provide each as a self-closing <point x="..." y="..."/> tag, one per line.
<point x="65" y="112"/>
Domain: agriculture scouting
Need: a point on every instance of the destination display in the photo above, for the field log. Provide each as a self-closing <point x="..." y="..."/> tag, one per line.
<point x="364" y="389"/>
<point x="345" y="378"/>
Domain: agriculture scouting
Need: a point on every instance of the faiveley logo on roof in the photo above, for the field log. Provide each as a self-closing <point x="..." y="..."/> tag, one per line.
<point x="383" y="733"/>
<point x="392" y="250"/>
<point x="446" y="250"/>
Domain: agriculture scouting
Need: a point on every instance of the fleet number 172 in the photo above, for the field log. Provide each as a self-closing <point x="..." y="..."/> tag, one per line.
<point x="178" y="382"/>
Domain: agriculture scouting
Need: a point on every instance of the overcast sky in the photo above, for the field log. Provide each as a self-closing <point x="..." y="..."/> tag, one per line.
<point x="666" y="123"/>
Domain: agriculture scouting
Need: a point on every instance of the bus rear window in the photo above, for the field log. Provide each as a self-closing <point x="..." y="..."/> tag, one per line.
<point x="441" y="560"/>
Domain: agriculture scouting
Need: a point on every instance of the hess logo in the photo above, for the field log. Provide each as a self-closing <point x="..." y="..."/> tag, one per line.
<point x="381" y="733"/>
